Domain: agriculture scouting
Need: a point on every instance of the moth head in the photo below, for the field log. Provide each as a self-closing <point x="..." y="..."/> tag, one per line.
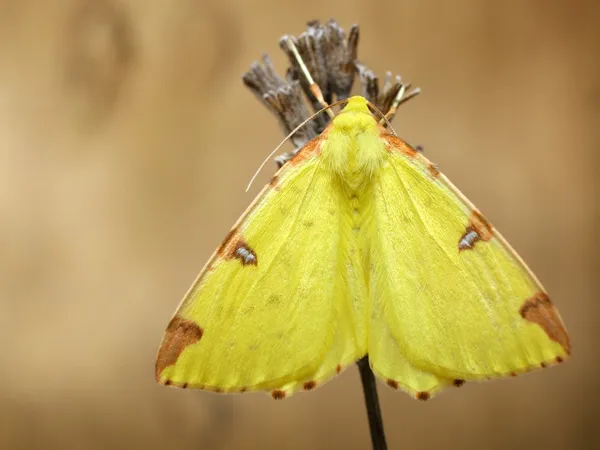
<point x="355" y="116"/>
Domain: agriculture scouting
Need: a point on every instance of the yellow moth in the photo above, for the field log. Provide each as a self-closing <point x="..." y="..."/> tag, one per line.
<point x="357" y="246"/>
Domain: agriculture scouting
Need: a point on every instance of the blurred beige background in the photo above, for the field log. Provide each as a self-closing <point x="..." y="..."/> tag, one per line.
<point x="126" y="142"/>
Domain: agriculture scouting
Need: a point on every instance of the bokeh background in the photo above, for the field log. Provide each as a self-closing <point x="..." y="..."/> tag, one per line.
<point x="126" y="142"/>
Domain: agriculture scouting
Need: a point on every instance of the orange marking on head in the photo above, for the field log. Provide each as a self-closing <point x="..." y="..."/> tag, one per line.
<point x="433" y="170"/>
<point x="395" y="144"/>
<point x="278" y="395"/>
<point x="338" y="369"/>
<point x="311" y="149"/>
<point x="540" y="310"/>
<point x="392" y="383"/>
<point x="423" y="395"/>
<point x="478" y="229"/>
<point x="458" y="383"/>
<point x="310" y="385"/>
<point x="180" y="333"/>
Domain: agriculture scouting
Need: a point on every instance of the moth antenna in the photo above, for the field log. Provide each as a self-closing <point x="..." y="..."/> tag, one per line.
<point x="314" y="87"/>
<point x="326" y="108"/>
<point x="384" y="119"/>
<point x="399" y="99"/>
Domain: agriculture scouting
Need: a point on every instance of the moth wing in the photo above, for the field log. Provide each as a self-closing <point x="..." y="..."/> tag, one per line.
<point x="458" y="302"/>
<point x="269" y="311"/>
<point x="390" y="364"/>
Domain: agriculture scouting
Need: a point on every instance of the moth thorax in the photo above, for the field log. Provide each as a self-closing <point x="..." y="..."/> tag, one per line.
<point x="354" y="148"/>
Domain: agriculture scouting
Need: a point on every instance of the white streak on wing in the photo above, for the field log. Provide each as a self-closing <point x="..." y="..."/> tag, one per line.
<point x="468" y="240"/>
<point x="245" y="254"/>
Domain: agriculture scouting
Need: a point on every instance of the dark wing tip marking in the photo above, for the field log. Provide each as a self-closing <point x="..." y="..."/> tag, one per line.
<point x="392" y="383"/>
<point x="539" y="309"/>
<point x="423" y="395"/>
<point x="338" y="369"/>
<point x="278" y="395"/>
<point x="180" y="333"/>
<point x="458" y="382"/>
<point x="309" y="385"/>
<point x="478" y="229"/>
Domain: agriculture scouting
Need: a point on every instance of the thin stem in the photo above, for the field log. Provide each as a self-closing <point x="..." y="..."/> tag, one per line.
<point x="372" y="402"/>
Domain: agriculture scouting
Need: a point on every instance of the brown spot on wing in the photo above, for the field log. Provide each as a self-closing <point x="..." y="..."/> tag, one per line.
<point x="278" y="395"/>
<point x="478" y="229"/>
<point x="395" y="144"/>
<point x="274" y="183"/>
<point x="433" y="170"/>
<point x="311" y="149"/>
<point x="458" y="383"/>
<point x="180" y="333"/>
<point x="338" y="369"/>
<point x="234" y="246"/>
<point x="225" y="247"/>
<point x="482" y="226"/>
<point x="392" y="383"/>
<point x="540" y="310"/>
<point x="309" y="385"/>
<point x="423" y="395"/>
